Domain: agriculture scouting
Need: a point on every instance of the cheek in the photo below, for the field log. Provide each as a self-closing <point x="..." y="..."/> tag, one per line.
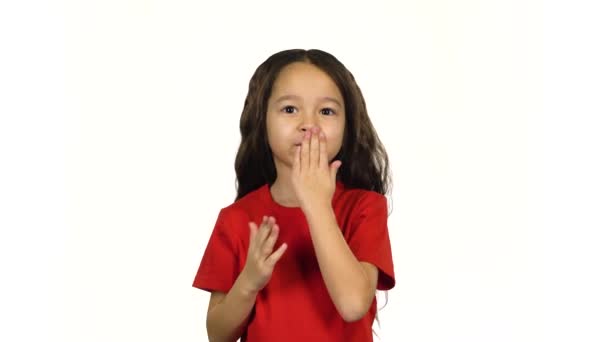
<point x="334" y="143"/>
<point x="278" y="137"/>
<point x="273" y="129"/>
<point x="272" y="139"/>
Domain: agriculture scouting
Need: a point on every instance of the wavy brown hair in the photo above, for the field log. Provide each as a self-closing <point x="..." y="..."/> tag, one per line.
<point x="364" y="159"/>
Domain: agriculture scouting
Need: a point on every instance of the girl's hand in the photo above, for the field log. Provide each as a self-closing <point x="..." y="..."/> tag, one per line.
<point x="260" y="262"/>
<point x="314" y="181"/>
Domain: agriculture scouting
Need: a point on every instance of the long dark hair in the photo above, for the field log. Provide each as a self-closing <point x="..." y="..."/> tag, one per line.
<point x="364" y="159"/>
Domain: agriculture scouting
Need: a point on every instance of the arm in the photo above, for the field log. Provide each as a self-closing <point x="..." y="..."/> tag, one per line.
<point x="227" y="313"/>
<point x="351" y="284"/>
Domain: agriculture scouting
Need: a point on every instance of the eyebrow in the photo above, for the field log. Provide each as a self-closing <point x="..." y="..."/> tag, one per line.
<point x="296" y="97"/>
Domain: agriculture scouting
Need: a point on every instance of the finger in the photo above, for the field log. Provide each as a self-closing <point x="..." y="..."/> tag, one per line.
<point x="296" y="158"/>
<point x="305" y="155"/>
<point x="314" y="147"/>
<point x="323" y="159"/>
<point x="270" y="221"/>
<point x="334" y="169"/>
<point x="252" y="233"/>
<point x="262" y="233"/>
<point x="270" y="241"/>
<point x="274" y="257"/>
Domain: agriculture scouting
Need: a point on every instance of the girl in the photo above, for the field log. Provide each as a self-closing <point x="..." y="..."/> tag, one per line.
<point x="312" y="171"/>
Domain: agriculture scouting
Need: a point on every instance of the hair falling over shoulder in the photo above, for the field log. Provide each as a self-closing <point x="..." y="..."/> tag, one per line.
<point x="364" y="160"/>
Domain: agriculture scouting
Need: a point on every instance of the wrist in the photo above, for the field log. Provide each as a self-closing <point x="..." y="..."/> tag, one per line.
<point x="244" y="287"/>
<point x="316" y="208"/>
<point x="318" y="211"/>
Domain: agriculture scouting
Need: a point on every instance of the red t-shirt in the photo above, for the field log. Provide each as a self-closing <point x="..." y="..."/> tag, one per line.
<point x="295" y="304"/>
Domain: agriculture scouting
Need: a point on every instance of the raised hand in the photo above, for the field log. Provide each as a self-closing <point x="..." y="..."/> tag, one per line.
<point x="260" y="258"/>
<point x="314" y="181"/>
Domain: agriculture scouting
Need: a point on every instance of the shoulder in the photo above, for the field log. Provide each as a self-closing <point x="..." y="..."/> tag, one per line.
<point x="232" y="221"/>
<point x="245" y="207"/>
<point x="357" y="203"/>
<point x="360" y="198"/>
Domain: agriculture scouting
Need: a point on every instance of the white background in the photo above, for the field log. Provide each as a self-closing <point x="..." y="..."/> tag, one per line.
<point x="119" y="127"/>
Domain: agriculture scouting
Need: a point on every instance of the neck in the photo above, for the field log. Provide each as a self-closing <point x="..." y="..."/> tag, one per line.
<point x="282" y="191"/>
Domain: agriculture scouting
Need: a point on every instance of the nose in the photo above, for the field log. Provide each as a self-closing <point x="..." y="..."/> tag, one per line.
<point x="308" y="122"/>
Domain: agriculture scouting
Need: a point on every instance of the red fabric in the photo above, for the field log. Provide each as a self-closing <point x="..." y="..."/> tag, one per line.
<point x="295" y="304"/>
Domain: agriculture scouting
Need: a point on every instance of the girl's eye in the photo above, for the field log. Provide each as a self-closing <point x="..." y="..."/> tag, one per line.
<point x="289" y="109"/>
<point x="328" y="111"/>
<point x="292" y="110"/>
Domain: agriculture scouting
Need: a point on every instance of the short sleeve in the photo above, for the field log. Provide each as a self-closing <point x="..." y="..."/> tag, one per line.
<point x="369" y="239"/>
<point x="218" y="269"/>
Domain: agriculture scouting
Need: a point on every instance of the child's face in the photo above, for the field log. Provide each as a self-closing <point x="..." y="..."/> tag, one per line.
<point x="303" y="96"/>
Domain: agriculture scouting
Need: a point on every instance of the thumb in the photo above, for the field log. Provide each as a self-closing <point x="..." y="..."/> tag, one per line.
<point x="334" y="168"/>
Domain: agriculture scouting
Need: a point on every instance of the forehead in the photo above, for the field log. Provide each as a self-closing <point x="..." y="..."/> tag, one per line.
<point x="306" y="80"/>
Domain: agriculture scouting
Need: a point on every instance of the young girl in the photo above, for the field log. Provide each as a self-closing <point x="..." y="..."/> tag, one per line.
<point x="313" y="173"/>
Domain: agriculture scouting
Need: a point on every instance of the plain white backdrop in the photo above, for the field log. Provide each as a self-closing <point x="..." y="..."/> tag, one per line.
<point x="119" y="128"/>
